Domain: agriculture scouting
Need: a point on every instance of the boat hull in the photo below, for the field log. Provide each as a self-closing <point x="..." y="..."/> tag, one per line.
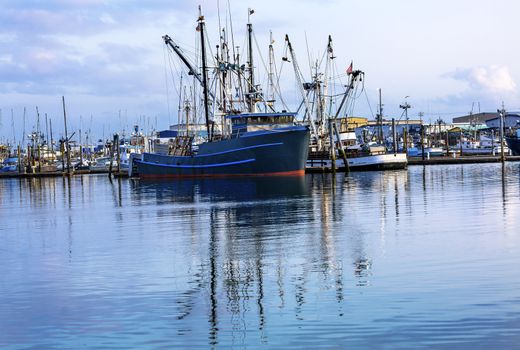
<point x="513" y="144"/>
<point x="388" y="161"/>
<point x="272" y="152"/>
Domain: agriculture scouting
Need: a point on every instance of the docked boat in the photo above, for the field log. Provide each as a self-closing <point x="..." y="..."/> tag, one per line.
<point x="483" y="146"/>
<point x="279" y="148"/>
<point x="513" y="143"/>
<point x="359" y="159"/>
<point x="249" y="143"/>
<point x="428" y="151"/>
<point x="100" y="164"/>
<point x="334" y="145"/>
<point x="9" y="165"/>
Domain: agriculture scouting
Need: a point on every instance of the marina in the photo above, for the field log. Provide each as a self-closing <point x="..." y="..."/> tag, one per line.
<point x="273" y="175"/>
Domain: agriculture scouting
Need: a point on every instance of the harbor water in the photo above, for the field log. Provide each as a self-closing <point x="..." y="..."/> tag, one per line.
<point x="424" y="258"/>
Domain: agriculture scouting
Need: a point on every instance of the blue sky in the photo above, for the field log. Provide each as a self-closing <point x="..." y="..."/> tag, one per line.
<point x="107" y="57"/>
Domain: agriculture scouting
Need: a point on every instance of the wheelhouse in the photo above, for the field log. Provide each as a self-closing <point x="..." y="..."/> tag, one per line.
<point x="248" y="122"/>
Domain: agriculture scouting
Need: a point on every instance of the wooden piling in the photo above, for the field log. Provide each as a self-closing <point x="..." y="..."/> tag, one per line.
<point x="39" y="159"/>
<point x="62" y="150"/>
<point x="447" y="144"/>
<point x="118" y="160"/>
<point x="501" y="115"/>
<point x="331" y="148"/>
<point x="394" y="136"/>
<point x="19" y="152"/>
<point x="460" y="139"/>
<point x="422" y="141"/>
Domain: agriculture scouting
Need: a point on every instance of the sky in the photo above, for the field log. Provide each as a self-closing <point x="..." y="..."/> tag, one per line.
<point x="108" y="59"/>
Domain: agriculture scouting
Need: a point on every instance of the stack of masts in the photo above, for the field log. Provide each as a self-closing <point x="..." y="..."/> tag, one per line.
<point x="228" y="83"/>
<point x="321" y="108"/>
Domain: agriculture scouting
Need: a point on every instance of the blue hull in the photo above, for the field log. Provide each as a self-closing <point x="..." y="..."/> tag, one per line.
<point x="514" y="145"/>
<point x="273" y="152"/>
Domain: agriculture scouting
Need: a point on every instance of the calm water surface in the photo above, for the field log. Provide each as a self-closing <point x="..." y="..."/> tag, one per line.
<point x="423" y="258"/>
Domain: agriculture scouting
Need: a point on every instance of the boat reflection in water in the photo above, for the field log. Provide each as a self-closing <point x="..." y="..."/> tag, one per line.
<point x="221" y="189"/>
<point x="257" y="250"/>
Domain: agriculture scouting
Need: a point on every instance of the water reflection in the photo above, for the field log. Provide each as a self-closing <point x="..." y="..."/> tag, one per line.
<point x="240" y="189"/>
<point x="315" y="261"/>
<point x="276" y="232"/>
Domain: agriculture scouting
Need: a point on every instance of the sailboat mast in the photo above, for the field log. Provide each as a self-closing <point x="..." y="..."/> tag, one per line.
<point x="251" y="96"/>
<point x="380" y="118"/>
<point x="52" y="141"/>
<point x="204" y="73"/>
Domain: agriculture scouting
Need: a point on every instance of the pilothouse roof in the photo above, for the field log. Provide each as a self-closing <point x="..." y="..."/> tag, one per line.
<point x="260" y="115"/>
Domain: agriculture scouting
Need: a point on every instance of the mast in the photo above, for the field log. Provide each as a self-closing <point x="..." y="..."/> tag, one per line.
<point x="12" y="126"/>
<point x="204" y="75"/>
<point x="380" y="118"/>
<point x="23" y="134"/>
<point x="46" y="135"/>
<point x="323" y="97"/>
<point x="299" y="81"/>
<point x="354" y="77"/>
<point x="37" y="125"/>
<point x="179" y="113"/>
<point x="251" y="96"/>
<point x="81" y="140"/>
<point x="66" y="136"/>
<point x="52" y="141"/>
<point x="270" y="96"/>
<point x="47" y="131"/>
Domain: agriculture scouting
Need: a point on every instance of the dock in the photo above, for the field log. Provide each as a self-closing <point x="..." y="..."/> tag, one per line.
<point x="460" y="160"/>
<point x="11" y="175"/>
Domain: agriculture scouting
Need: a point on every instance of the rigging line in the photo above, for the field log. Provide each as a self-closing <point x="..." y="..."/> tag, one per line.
<point x="323" y="56"/>
<point x="369" y="106"/>
<point x="231" y="27"/>
<point x="332" y="87"/>
<point x="357" y="93"/>
<point x="172" y="62"/>
<point x="278" y="76"/>
<point x="218" y="16"/>
<point x="308" y="53"/>
<point x="210" y="49"/>
<point x="261" y="57"/>
<point x="402" y="114"/>
<point x="165" y="49"/>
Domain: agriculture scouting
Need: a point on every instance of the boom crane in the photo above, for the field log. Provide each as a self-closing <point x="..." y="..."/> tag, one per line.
<point x="191" y="70"/>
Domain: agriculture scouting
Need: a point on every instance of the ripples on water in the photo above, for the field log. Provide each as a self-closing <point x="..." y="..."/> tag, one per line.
<point x="424" y="258"/>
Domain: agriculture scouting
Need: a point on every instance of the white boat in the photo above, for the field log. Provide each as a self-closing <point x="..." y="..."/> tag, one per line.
<point x="486" y="146"/>
<point x="359" y="158"/>
<point x="101" y="163"/>
<point x="428" y="152"/>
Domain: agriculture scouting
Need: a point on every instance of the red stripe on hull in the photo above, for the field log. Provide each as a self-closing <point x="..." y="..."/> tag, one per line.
<point x="174" y="176"/>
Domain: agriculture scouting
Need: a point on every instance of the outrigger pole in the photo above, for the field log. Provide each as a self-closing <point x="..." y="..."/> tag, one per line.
<point x="192" y="71"/>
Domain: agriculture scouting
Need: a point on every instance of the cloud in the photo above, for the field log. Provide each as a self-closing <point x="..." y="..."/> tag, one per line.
<point x="493" y="79"/>
<point x="488" y="85"/>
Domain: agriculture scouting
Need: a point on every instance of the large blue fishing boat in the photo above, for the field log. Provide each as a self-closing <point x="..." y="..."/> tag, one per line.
<point x="248" y="143"/>
<point x="260" y="144"/>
